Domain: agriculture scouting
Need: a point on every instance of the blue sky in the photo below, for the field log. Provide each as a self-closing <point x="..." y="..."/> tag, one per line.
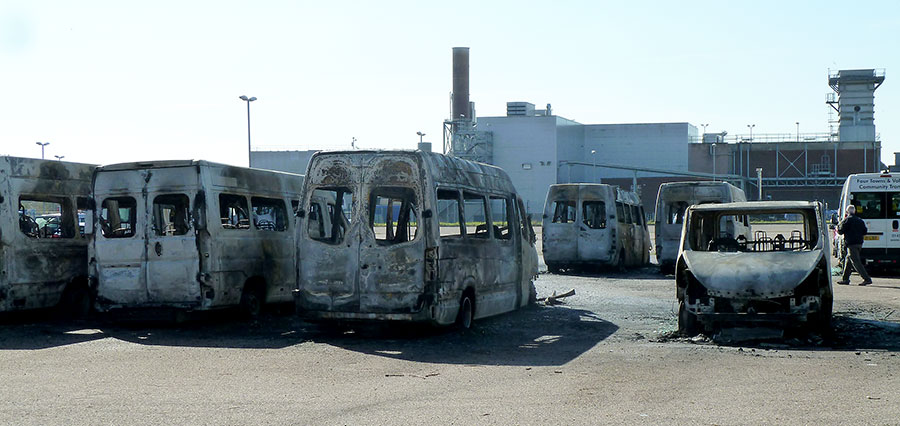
<point x="108" y="82"/>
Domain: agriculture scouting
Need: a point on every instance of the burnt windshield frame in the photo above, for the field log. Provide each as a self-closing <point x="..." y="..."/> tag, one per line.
<point x="706" y="233"/>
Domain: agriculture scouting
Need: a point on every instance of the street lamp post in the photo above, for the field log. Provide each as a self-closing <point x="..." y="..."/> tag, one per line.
<point x="798" y="131"/>
<point x="751" y="126"/>
<point x="59" y="157"/>
<point x="248" y="100"/>
<point x="42" y="144"/>
<point x="421" y="135"/>
<point x="593" y="165"/>
<point x="704" y="131"/>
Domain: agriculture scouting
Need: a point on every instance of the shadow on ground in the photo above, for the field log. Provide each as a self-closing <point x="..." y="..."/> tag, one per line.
<point x="218" y="329"/>
<point x="534" y="336"/>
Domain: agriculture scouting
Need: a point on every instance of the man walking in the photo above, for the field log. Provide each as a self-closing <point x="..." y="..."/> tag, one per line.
<point x="854" y="230"/>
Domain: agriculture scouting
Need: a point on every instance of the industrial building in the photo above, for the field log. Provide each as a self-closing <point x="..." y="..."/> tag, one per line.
<point x="537" y="148"/>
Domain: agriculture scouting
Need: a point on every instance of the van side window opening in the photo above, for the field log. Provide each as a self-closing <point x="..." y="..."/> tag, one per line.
<point x="170" y="214"/>
<point x="117" y="217"/>
<point x="675" y="212"/>
<point x="525" y="222"/>
<point x="636" y="215"/>
<point x="564" y="211"/>
<point x="269" y="214"/>
<point x="330" y="213"/>
<point x="233" y="211"/>
<point x="392" y="215"/>
<point x="593" y="214"/>
<point x="475" y="215"/>
<point x="84" y="210"/>
<point x="448" y="213"/>
<point x="500" y="218"/>
<point x="869" y="205"/>
<point x="46" y="217"/>
<point x="894" y="199"/>
<point x="626" y="209"/>
<point x="620" y="212"/>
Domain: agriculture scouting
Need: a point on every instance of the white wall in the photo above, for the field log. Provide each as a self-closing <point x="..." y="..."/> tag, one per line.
<point x="283" y="161"/>
<point x="520" y="141"/>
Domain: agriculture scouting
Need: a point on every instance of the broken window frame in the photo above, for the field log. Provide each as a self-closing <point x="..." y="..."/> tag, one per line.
<point x="178" y="222"/>
<point x="598" y="208"/>
<point x="340" y="218"/>
<point x="276" y="211"/>
<point x="403" y="229"/>
<point x="125" y="229"/>
<point x="446" y="200"/>
<point x="706" y="233"/>
<point x="501" y="228"/>
<point x="61" y="218"/>
<point x="234" y="212"/>
<point x="475" y="215"/>
<point x="564" y="211"/>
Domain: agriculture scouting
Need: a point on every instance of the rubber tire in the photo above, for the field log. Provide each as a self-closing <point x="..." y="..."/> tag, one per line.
<point x="466" y="314"/>
<point x="687" y="322"/>
<point x="252" y="300"/>
<point x="822" y="320"/>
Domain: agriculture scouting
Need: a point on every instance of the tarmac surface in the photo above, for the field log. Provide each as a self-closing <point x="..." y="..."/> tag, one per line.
<point x="608" y="355"/>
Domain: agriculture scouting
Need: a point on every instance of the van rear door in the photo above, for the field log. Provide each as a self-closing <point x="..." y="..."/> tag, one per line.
<point x="391" y="271"/>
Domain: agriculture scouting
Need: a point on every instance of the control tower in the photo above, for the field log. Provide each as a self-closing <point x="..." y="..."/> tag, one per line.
<point x="855" y="103"/>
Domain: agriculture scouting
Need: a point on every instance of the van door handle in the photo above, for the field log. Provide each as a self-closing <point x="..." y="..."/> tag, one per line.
<point x="158" y="248"/>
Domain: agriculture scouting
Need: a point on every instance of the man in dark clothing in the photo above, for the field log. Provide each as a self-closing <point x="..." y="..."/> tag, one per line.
<point x="854" y="231"/>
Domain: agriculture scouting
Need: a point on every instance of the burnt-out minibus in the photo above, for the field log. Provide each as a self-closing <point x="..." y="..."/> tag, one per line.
<point x="672" y="200"/>
<point x="593" y="225"/>
<point x="43" y="250"/>
<point x="411" y="236"/>
<point x="193" y="235"/>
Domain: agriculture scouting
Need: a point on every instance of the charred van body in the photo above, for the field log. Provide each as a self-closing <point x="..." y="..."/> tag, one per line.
<point x="754" y="263"/>
<point x="411" y="236"/>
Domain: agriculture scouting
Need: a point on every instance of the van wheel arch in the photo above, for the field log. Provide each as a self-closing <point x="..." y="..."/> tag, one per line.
<point x="466" y="315"/>
<point x="253" y="297"/>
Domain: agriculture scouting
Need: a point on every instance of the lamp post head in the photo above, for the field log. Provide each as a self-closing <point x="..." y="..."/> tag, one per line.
<point x="243" y="98"/>
<point x="251" y="99"/>
<point x="593" y="151"/>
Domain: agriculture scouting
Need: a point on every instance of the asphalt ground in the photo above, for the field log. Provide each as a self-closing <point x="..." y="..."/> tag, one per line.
<point x="608" y="355"/>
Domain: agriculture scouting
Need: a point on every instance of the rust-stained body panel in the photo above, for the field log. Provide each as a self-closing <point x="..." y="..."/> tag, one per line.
<point x="200" y="234"/>
<point x="763" y="262"/>
<point x="582" y="226"/>
<point x="37" y="264"/>
<point x="354" y="263"/>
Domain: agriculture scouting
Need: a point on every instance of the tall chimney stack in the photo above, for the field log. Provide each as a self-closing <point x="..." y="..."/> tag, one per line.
<point x="461" y="84"/>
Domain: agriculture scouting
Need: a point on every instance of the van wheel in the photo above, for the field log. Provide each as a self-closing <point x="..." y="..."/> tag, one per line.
<point x="821" y="322"/>
<point x="252" y="299"/>
<point x="466" y="312"/>
<point x="687" y="322"/>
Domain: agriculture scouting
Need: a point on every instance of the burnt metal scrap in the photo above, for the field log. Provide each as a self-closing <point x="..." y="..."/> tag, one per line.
<point x="45" y="207"/>
<point x="731" y="270"/>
